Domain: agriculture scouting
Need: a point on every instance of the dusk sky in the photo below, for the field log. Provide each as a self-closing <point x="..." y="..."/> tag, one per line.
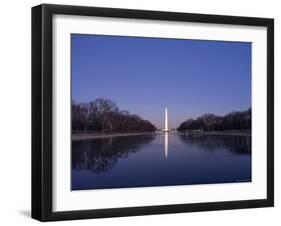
<point x="144" y="75"/>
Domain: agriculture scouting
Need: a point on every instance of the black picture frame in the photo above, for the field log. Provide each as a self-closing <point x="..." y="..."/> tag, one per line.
<point x="42" y="111"/>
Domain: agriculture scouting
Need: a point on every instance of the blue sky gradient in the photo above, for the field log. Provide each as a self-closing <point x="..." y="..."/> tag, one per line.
<point x="143" y="75"/>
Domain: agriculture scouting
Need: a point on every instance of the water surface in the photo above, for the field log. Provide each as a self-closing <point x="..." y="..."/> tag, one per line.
<point x="160" y="159"/>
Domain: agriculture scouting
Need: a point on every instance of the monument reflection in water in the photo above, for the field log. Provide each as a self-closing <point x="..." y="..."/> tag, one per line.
<point x="160" y="159"/>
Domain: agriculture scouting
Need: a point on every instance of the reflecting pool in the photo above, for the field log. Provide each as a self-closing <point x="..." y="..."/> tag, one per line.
<point x="160" y="159"/>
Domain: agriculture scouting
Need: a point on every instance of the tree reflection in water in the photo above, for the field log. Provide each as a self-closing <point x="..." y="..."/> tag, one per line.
<point x="101" y="154"/>
<point x="235" y="144"/>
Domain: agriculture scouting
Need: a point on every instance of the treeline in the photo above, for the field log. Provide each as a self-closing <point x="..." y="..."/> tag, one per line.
<point x="240" y="120"/>
<point x="103" y="115"/>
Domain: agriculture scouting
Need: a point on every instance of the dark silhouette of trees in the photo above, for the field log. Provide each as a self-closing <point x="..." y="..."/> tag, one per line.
<point x="103" y="115"/>
<point x="240" y="120"/>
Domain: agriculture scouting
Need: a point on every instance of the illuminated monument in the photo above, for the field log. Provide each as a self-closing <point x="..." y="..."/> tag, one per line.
<point x="166" y="129"/>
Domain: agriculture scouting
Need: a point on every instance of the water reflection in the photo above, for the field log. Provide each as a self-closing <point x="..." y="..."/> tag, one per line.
<point x="166" y="146"/>
<point x="100" y="155"/>
<point x="235" y="144"/>
<point x="142" y="160"/>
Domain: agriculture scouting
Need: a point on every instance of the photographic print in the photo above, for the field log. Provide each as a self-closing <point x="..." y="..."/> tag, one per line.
<point x="139" y="112"/>
<point x="159" y="112"/>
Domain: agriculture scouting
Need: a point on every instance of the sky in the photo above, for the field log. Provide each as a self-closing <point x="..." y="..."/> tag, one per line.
<point x="145" y="75"/>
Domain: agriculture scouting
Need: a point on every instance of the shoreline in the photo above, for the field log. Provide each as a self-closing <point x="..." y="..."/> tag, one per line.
<point x="80" y="136"/>
<point x="215" y="133"/>
<point x="77" y="137"/>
